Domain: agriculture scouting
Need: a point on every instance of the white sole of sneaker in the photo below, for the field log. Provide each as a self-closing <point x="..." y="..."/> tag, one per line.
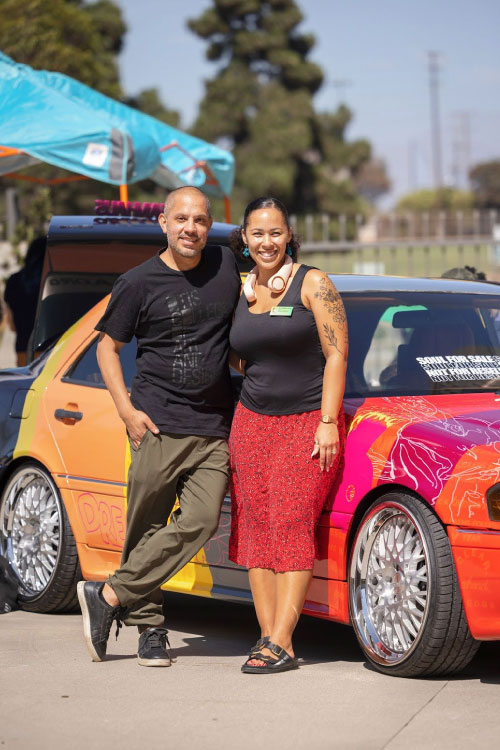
<point x="154" y="662"/>
<point x="80" y="590"/>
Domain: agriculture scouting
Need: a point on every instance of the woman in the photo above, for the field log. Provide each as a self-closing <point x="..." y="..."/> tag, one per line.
<point x="289" y="339"/>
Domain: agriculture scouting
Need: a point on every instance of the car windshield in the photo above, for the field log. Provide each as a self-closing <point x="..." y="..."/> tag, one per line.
<point x="422" y="343"/>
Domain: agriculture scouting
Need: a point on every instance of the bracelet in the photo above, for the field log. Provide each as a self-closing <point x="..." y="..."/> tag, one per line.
<point x="326" y="419"/>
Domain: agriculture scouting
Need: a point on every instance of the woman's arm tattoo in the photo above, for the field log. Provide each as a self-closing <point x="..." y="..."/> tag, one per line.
<point x="331" y="337"/>
<point x="335" y="307"/>
<point x="331" y="300"/>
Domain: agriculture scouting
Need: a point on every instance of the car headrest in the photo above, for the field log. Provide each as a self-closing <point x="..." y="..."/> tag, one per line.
<point x="418" y="318"/>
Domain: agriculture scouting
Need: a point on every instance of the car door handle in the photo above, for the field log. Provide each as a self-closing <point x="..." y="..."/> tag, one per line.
<point x="65" y="414"/>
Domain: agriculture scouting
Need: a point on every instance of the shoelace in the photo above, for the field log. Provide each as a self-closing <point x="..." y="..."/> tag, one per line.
<point x="118" y="619"/>
<point x="158" y="637"/>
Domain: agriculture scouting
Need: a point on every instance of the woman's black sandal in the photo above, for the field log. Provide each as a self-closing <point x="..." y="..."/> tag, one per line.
<point x="261" y="643"/>
<point x="282" y="663"/>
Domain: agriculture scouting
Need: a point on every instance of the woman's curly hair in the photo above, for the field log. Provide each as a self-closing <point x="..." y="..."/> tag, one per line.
<point x="236" y="239"/>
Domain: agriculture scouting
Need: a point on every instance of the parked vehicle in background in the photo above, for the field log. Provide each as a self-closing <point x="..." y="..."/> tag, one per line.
<point x="409" y="544"/>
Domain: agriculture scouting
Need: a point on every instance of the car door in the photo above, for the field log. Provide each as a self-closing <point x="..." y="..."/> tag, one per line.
<point x="92" y="442"/>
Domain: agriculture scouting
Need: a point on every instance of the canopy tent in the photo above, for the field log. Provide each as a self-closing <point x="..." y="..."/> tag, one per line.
<point x="49" y="117"/>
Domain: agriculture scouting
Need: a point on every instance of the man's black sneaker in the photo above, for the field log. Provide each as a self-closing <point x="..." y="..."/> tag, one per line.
<point x="152" y="651"/>
<point x="98" y="616"/>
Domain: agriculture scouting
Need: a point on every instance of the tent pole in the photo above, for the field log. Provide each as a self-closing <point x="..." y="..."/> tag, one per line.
<point x="124" y="193"/>
<point x="227" y="209"/>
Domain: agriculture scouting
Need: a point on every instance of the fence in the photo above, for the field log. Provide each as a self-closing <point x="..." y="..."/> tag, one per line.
<point x="438" y="225"/>
<point x="426" y="244"/>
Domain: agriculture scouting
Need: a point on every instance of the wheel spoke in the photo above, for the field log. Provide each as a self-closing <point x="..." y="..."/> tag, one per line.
<point x="394" y="590"/>
<point x="30" y="527"/>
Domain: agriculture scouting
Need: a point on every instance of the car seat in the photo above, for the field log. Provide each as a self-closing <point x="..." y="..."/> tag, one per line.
<point x="430" y="340"/>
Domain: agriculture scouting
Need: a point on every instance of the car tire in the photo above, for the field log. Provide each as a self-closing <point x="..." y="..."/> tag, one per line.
<point x="36" y="538"/>
<point x="404" y="598"/>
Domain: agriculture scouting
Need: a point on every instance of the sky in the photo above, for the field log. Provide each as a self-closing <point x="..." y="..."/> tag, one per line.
<point x="374" y="54"/>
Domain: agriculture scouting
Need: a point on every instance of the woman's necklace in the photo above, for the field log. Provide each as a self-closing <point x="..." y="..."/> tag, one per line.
<point x="276" y="283"/>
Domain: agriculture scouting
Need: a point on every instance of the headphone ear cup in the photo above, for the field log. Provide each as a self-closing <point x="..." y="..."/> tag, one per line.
<point x="278" y="282"/>
<point x="249" y="286"/>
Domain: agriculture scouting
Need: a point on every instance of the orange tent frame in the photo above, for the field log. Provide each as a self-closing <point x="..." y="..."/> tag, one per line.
<point x="8" y="151"/>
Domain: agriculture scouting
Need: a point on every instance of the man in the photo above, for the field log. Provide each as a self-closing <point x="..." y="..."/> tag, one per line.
<point x="179" y="305"/>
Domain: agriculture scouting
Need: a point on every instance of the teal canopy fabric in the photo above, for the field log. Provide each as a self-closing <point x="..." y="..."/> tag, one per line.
<point x="53" y="118"/>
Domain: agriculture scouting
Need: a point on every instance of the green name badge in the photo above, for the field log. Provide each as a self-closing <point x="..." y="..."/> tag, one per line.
<point x="283" y="311"/>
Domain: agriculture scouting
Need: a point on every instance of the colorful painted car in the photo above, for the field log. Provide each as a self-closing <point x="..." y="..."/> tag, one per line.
<point x="409" y="545"/>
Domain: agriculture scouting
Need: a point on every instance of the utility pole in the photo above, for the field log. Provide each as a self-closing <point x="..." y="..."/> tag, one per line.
<point x="461" y="147"/>
<point x="434" y="65"/>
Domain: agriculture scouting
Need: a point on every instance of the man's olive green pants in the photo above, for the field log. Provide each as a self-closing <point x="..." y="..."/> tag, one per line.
<point x="163" y="467"/>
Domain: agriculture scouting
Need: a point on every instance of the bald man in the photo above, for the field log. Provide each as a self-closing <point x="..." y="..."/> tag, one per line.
<point x="179" y="306"/>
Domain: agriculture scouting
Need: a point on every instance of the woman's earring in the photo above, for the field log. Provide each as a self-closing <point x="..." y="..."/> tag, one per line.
<point x="288" y="250"/>
<point x="246" y="252"/>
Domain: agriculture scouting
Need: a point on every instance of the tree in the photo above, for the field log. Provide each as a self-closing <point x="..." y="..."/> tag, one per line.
<point x="485" y="184"/>
<point x="149" y="102"/>
<point x="81" y="40"/>
<point x="440" y="199"/>
<point x="259" y="104"/>
<point x="372" y="180"/>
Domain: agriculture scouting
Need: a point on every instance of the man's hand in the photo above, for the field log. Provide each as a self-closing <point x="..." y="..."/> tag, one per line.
<point x="137" y="423"/>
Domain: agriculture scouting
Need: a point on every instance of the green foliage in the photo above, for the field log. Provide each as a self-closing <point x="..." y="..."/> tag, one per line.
<point x="149" y="102"/>
<point x="485" y="183"/>
<point x="73" y="38"/>
<point x="446" y="198"/>
<point x="259" y="103"/>
<point x="35" y="219"/>
<point x="263" y="37"/>
<point x="371" y="180"/>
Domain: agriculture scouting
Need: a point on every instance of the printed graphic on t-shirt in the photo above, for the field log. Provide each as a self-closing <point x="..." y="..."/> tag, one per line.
<point x="186" y="312"/>
<point x="181" y="322"/>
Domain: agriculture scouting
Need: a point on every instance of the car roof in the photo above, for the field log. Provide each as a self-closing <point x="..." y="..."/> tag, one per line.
<point x="64" y="229"/>
<point x="379" y="284"/>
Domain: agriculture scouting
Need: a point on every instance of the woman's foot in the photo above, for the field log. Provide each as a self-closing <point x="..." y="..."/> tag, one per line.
<point x="263" y="640"/>
<point x="278" y="660"/>
<point x="270" y="653"/>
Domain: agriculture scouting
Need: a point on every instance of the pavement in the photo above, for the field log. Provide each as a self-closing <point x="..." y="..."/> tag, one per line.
<point x="52" y="695"/>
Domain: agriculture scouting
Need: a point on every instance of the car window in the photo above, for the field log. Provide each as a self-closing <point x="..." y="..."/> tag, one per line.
<point x="85" y="371"/>
<point x="64" y="298"/>
<point x="422" y="343"/>
<point x="381" y="359"/>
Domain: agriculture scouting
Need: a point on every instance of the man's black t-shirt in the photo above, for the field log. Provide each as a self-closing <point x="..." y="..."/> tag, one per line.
<point x="181" y="320"/>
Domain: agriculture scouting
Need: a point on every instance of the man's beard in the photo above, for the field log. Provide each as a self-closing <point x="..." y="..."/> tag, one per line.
<point x="186" y="252"/>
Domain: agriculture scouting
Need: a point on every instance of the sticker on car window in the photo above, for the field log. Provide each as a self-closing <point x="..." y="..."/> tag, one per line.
<point x="445" y="369"/>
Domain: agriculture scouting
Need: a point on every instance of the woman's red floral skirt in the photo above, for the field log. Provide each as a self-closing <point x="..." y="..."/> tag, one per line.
<point x="277" y="490"/>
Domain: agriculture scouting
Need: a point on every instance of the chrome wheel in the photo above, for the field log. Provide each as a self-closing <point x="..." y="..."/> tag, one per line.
<point x="389" y="583"/>
<point x="31" y="528"/>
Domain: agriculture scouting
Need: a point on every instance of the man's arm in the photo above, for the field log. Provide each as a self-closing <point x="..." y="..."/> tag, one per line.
<point x="108" y="357"/>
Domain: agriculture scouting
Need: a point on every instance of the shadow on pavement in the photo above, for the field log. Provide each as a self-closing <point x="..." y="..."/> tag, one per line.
<point x="228" y="629"/>
<point x="223" y="628"/>
<point x="486" y="664"/>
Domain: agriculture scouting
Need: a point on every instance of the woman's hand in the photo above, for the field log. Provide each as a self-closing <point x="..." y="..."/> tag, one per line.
<point x="326" y="445"/>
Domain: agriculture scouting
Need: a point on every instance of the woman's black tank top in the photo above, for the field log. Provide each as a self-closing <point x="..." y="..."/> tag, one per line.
<point x="284" y="360"/>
